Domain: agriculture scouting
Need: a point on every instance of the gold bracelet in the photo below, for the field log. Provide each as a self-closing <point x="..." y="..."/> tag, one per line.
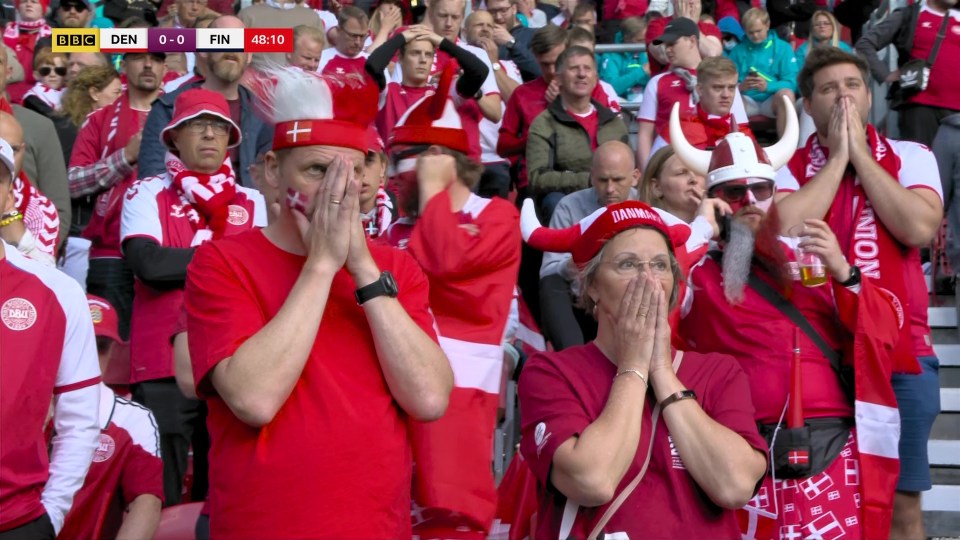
<point x="642" y="378"/>
<point x="16" y="216"/>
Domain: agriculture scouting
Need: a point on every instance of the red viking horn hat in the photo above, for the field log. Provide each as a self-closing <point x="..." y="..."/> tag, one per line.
<point x="737" y="156"/>
<point x="584" y="239"/>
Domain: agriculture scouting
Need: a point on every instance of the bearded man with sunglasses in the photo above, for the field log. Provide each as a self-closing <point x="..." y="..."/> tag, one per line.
<point x="163" y="220"/>
<point x="800" y="346"/>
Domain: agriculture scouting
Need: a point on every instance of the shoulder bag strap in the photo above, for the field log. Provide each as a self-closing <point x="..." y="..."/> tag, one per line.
<point x="940" y="35"/>
<point x="627" y="491"/>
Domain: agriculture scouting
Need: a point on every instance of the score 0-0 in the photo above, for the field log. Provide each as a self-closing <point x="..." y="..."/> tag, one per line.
<point x="268" y="40"/>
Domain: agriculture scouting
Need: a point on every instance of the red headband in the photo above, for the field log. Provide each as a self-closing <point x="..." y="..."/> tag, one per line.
<point x="320" y="133"/>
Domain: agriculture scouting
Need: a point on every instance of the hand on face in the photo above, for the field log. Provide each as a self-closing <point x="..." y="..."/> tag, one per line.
<point x="501" y="35"/>
<point x="856" y="132"/>
<point x="635" y="324"/>
<point x="553" y="90"/>
<point x="327" y="235"/>
<point x="660" y="360"/>
<point x="838" y="137"/>
<point x="820" y="240"/>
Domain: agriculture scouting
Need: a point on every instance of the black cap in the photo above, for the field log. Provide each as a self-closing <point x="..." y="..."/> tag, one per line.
<point x="677" y="28"/>
<point x="85" y="4"/>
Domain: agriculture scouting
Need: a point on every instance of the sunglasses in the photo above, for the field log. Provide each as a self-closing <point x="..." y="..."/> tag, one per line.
<point x="46" y="70"/>
<point x="735" y="193"/>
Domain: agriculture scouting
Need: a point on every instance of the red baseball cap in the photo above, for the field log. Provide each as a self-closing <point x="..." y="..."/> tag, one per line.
<point x="198" y="102"/>
<point x="105" y="321"/>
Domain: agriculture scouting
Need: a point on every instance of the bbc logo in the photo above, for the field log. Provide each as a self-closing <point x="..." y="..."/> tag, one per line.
<point x="76" y="40"/>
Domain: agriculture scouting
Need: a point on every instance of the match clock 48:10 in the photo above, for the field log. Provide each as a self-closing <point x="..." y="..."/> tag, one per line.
<point x="268" y="40"/>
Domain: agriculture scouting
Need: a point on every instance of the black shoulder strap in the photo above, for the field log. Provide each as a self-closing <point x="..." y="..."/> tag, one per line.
<point x="771" y="295"/>
<point x="940" y="35"/>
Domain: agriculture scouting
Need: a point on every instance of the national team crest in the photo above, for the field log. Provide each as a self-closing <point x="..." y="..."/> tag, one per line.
<point x="237" y="215"/>
<point x="96" y="313"/>
<point x="105" y="448"/>
<point x="18" y="314"/>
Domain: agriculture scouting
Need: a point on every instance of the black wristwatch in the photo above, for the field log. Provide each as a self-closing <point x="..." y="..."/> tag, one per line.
<point x="854" y="278"/>
<point x="386" y="285"/>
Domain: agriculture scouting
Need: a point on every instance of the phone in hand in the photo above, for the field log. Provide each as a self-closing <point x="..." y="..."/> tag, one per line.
<point x="752" y="73"/>
<point x="723" y="222"/>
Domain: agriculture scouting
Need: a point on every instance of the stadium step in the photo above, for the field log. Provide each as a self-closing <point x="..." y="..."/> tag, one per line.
<point x="941" y="505"/>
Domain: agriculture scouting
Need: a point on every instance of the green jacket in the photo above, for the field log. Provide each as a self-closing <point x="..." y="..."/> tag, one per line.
<point x="774" y="60"/>
<point x="559" y="154"/>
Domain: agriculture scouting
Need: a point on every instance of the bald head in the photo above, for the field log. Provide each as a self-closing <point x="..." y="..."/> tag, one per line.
<point x="613" y="172"/>
<point x="12" y="132"/>
<point x="227" y="21"/>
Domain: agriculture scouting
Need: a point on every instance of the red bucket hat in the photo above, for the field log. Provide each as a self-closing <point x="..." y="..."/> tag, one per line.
<point x="198" y="102"/>
<point x="583" y="240"/>
<point x="105" y="320"/>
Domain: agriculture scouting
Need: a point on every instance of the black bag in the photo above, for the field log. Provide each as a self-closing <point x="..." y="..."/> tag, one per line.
<point x="806" y="451"/>
<point x="915" y="73"/>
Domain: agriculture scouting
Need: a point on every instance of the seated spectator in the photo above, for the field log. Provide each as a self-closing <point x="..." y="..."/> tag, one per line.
<point x="513" y="39"/>
<point x="347" y="54"/>
<point x="563" y="138"/>
<point x="566" y="7"/>
<point x="681" y="85"/>
<point x="581" y="37"/>
<point x="627" y="72"/>
<point x="613" y="179"/>
<point x="50" y="71"/>
<point x="731" y="33"/>
<point x="308" y="45"/>
<point x="123" y="490"/>
<point x="530" y="99"/>
<point x="21" y="36"/>
<point x="79" y="60"/>
<point x="385" y="20"/>
<point x="164" y="219"/>
<point x="584" y="16"/>
<point x="708" y="35"/>
<point x="35" y="232"/>
<point x="376" y="205"/>
<point x="768" y="69"/>
<point x="417" y="46"/>
<point x="669" y="185"/>
<point x="529" y="15"/>
<point x="825" y="32"/>
<point x="283" y="14"/>
<point x="585" y="409"/>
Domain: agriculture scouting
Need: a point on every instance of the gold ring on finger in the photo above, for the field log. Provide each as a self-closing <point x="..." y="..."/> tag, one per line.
<point x="335" y="201"/>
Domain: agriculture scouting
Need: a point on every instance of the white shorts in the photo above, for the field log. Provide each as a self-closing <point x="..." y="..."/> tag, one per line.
<point x="764" y="109"/>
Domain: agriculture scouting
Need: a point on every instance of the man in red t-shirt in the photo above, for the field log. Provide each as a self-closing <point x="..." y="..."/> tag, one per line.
<point x="469" y="248"/>
<point x="708" y="42"/>
<point x="48" y="352"/>
<point x="312" y="443"/>
<point x="104" y="164"/>
<point x="122" y="493"/>
<point x="347" y="54"/>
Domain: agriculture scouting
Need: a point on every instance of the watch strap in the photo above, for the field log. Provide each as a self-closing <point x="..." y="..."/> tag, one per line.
<point x="681" y="395"/>
<point x="855" y="277"/>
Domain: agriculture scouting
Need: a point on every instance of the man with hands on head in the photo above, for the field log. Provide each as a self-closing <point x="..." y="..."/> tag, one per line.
<point x="884" y="199"/>
<point x="302" y="334"/>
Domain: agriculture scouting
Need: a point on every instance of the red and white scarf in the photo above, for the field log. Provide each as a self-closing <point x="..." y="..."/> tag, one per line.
<point x="50" y="97"/>
<point x="861" y="233"/>
<point x="39" y="214"/>
<point x="381" y="216"/>
<point x="209" y="194"/>
<point x="15" y="34"/>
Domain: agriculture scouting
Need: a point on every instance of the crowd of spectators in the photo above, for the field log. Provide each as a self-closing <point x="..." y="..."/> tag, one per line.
<point x="297" y="283"/>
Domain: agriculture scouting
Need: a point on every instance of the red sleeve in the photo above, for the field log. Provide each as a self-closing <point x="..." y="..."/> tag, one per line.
<point x="142" y="475"/>
<point x="447" y="249"/>
<point x="709" y="29"/>
<point x="87" y="147"/>
<point x="414" y="290"/>
<point x="552" y="414"/>
<point x="512" y="142"/>
<point x="731" y="404"/>
<point x="221" y="314"/>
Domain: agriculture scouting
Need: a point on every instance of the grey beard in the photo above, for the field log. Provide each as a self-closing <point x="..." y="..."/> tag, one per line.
<point x="737" y="259"/>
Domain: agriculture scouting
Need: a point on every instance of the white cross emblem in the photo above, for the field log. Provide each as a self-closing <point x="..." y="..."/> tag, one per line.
<point x="851" y="472"/>
<point x="833" y="495"/>
<point x="372" y="228"/>
<point x="297" y="130"/>
<point x="813" y="487"/>
<point x="825" y="527"/>
<point x="851" y="521"/>
<point x="790" y="532"/>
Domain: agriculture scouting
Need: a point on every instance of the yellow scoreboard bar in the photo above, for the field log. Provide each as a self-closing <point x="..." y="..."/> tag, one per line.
<point x="68" y="40"/>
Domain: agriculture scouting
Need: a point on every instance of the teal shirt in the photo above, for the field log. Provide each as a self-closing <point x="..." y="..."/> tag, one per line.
<point x="804" y="48"/>
<point x="773" y="59"/>
<point x="623" y="71"/>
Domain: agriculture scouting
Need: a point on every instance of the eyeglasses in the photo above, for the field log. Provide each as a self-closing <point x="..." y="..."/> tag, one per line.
<point x="659" y="266"/>
<point x="499" y="11"/>
<point x="79" y="8"/>
<point x="46" y="70"/>
<point x="353" y="37"/>
<point x="734" y="193"/>
<point x="220" y="127"/>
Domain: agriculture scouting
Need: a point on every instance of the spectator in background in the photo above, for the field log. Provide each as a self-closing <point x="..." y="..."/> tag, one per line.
<point x="529" y="15"/>
<point x="563" y="18"/>
<point x="581" y="37"/>
<point x="825" y="33"/>
<point x="513" y="39"/>
<point x="376" y="206"/>
<point x="946" y="148"/>
<point x="708" y="35"/>
<point x="680" y="85"/>
<point x="731" y="33"/>
<point x="384" y="21"/>
<point x="74" y="14"/>
<point x="563" y="137"/>
<point x="913" y="30"/>
<point x="79" y="60"/>
<point x="50" y="71"/>
<point x="123" y="490"/>
<point x="585" y="16"/>
<point x="49" y="361"/>
<point x="308" y="45"/>
<point x="163" y="219"/>
<point x="282" y="14"/>
<point x="185" y="13"/>
<point x="613" y="179"/>
<point x="495" y="180"/>
<point x="627" y="72"/>
<point x="711" y="120"/>
<point x="223" y="74"/>
<point x="614" y="13"/>
<point x="104" y="166"/>
<point x="668" y="184"/>
<point x="347" y="54"/>
<point x="21" y="36"/>
<point x="768" y="69"/>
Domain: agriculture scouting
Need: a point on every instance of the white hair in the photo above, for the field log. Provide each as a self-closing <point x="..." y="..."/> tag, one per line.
<point x="289" y="93"/>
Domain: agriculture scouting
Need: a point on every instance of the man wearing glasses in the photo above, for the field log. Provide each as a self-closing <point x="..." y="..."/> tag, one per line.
<point x="349" y="38"/>
<point x="513" y="38"/>
<point x="164" y="219"/>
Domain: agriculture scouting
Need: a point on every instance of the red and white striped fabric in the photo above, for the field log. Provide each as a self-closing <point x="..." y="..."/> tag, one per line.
<point x="39" y="214"/>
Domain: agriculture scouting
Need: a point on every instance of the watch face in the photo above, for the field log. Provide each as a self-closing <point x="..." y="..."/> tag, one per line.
<point x="390" y="284"/>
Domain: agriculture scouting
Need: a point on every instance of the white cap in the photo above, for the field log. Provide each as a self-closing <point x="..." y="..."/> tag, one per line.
<point x="6" y="155"/>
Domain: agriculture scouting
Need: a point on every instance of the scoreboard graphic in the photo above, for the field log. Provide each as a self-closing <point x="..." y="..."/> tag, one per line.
<point x="172" y="40"/>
